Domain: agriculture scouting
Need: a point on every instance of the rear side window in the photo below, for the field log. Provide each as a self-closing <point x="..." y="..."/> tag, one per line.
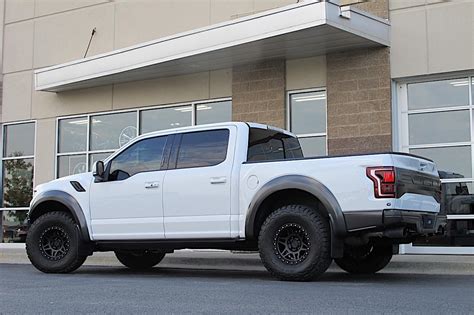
<point x="203" y="148"/>
<point x="143" y="156"/>
<point x="270" y="145"/>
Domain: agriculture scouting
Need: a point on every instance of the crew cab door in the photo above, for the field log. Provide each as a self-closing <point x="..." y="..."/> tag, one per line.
<point x="128" y="203"/>
<point x="197" y="185"/>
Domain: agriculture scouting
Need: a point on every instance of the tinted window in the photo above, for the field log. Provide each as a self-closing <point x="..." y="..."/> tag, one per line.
<point x="268" y="145"/>
<point x="205" y="148"/>
<point x="143" y="156"/>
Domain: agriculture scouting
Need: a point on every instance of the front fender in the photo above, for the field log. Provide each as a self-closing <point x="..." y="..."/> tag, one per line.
<point x="67" y="200"/>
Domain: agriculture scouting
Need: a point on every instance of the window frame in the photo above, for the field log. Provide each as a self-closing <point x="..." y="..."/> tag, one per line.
<point x="177" y="142"/>
<point x="138" y="110"/>
<point x="2" y="142"/>
<point x="401" y="135"/>
<point x="289" y="93"/>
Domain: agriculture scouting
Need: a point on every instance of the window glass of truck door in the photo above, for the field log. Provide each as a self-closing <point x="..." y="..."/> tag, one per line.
<point x="144" y="156"/>
<point x="203" y="148"/>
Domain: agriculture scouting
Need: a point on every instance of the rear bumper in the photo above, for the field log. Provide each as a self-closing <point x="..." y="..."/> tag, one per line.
<point x="416" y="222"/>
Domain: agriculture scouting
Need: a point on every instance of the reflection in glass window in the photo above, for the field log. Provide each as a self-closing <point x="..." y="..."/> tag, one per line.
<point x="313" y="146"/>
<point x="143" y="156"/>
<point x="439" y="127"/>
<point x="203" y="148"/>
<point x="450" y="159"/>
<point x="17" y="182"/>
<point x="19" y="140"/>
<point x="165" y="118"/>
<point x="308" y="121"/>
<point x="71" y="164"/>
<point x="210" y="113"/>
<point x="14" y="226"/>
<point x="112" y="131"/>
<point x="308" y="112"/>
<point x="72" y="135"/>
<point x="436" y="94"/>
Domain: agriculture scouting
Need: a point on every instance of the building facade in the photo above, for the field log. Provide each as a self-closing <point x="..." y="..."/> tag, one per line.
<point x="83" y="77"/>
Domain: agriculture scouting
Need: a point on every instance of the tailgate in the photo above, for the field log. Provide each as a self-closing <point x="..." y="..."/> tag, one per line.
<point x="416" y="175"/>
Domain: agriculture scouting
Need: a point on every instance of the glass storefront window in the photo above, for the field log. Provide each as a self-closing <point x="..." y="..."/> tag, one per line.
<point x="210" y="113"/>
<point x="71" y="164"/>
<point x="436" y="94"/>
<point x="78" y="151"/>
<point x="442" y="127"/>
<point x="19" y="140"/>
<point x="307" y="113"/>
<point x="112" y="131"/>
<point x="436" y="123"/>
<point x="14" y="226"/>
<point x="165" y="118"/>
<point x="72" y="135"/>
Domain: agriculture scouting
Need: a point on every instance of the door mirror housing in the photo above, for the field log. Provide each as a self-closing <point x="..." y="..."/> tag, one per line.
<point x="98" y="171"/>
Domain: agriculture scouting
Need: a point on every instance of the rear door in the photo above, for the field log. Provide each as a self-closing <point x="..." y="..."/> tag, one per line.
<point x="197" y="185"/>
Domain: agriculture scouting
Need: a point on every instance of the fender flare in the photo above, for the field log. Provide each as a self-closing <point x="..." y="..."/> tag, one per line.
<point x="67" y="200"/>
<point x="304" y="183"/>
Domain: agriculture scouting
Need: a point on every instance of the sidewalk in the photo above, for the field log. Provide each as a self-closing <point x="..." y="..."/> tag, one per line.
<point x="225" y="260"/>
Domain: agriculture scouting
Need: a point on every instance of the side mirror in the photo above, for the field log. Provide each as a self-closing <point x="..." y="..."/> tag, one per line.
<point x="98" y="170"/>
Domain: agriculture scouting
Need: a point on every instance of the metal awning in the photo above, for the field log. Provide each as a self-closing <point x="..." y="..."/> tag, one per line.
<point x="301" y="30"/>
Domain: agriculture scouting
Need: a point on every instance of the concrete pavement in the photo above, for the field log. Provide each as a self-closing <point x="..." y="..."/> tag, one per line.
<point x="225" y="260"/>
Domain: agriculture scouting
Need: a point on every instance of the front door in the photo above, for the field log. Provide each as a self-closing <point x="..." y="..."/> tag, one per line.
<point x="128" y="204"/>
<point x="197" y="188"/>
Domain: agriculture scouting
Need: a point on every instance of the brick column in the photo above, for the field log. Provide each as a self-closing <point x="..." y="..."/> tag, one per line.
<point x="359" y="99"/>
<point x="258" y="93"/>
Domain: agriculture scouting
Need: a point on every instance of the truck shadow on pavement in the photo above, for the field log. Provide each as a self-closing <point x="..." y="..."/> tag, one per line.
<point x="243" y="275"/>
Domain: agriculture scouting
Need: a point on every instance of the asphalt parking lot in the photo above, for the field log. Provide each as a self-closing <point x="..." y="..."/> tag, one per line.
<point x="223" y="282"/>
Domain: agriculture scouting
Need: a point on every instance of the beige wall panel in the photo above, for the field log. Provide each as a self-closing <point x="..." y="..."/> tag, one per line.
<point x="17" y="10"/>
<point x="17" y="96"/>
<point x="408" y="54"/>
<point x="63" y="37"/>
<point x="262" y="5"/>
<point x="306" y="73"/>
<point x="450" y="37"/>
<point x="162" y="91"/>
<point x="220" y="83"/>
<point x="45" y="146"/>
<point x="226" y="10"/>
<point x="47" y="104"/>
<point x="18" y="47"/>
<point x="43" y="7"/>
<point x="401" y="4"/>
<point x="145" y="20"/>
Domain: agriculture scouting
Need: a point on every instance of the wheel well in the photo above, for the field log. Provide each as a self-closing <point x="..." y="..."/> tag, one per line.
<point x="49" y="206"/>
<point x="283" y="198"/>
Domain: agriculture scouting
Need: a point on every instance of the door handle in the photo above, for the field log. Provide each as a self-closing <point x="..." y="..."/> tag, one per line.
<point x="151" y="185"/>
<point x="218" y="180"/>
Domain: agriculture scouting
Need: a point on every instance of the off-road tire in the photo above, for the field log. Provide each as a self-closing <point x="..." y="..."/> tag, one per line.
<point x="315" y="231"/>
<point x="365" y="260"/>
<point x="140" y="260"/>
<point x="63" y="225"/>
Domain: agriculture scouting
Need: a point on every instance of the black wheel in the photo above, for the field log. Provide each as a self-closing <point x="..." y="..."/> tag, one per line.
<point x="52" y="243"/>
<point x="294" y="243"/>
<point x="365" y="259"/>
<point x="139" y="260"/>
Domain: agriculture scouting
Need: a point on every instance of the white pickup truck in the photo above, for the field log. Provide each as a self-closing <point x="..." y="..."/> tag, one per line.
<point x="236" y="186"/>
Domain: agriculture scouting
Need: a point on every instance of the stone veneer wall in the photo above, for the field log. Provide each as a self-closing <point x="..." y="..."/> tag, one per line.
<point x="258" y="93"/>
<point x="359" y="97"/>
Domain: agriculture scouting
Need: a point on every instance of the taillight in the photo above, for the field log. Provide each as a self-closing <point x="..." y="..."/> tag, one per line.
<point x="384" y="181"/>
